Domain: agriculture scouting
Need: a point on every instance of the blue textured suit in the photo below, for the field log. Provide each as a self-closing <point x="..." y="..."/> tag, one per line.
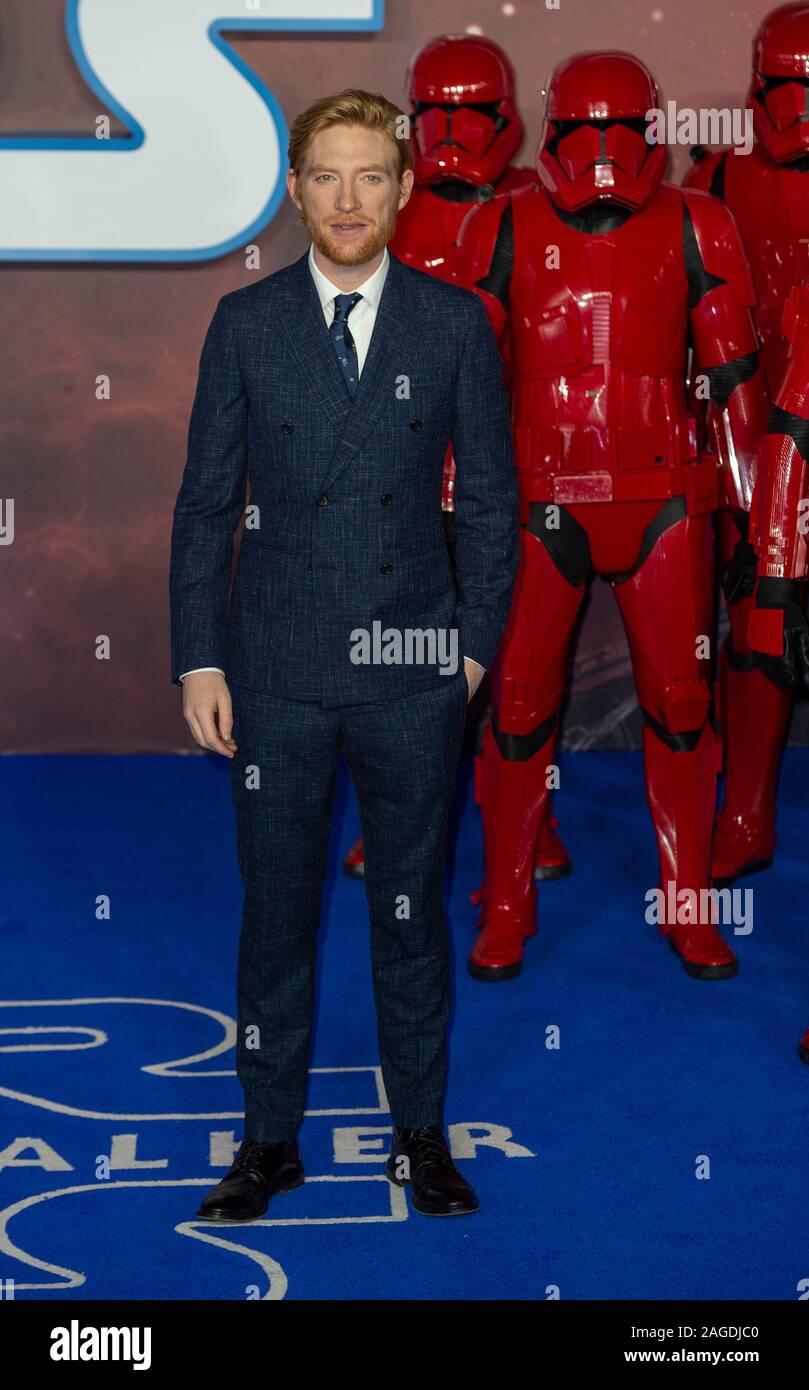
<point x="344" y="531"/>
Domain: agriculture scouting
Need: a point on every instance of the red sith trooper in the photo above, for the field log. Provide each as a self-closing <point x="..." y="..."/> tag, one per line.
<point x="465" y="131"/>
<point x="777" y="631"/>
<point x="598" y="281"/>
<point x="767" y="191"/>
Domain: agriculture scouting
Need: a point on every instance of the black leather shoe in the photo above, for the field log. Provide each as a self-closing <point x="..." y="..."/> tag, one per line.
<point x="437" y="1187"/>
<point x="259" y="1171"/>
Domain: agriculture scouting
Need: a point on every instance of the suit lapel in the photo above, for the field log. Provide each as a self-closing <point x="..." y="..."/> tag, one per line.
<point x="307" y="337"/>
<point x="395" y="335"/>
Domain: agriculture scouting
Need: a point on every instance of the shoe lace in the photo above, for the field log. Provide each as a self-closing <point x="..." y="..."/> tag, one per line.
<point x="247" y="1152"/>
<point x="430" y="1147"/>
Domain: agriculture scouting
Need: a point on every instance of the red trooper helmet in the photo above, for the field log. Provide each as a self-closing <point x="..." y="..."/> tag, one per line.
<point x="594" y="147"/>
<point x="779" y="90"/>
<point x="465" y="123"/>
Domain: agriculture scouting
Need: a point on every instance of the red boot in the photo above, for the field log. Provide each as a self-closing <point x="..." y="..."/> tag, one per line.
<point x="552" y="859"/>
<point x="803" y="1048"/>
<point x="741" y="845"/>
<point x="497" y="953"/>
<point x="755" y="714"/>
<point x="354" y="862"/>
<point x="680" y="787"/>
<point x="513" y="797"/>
<point x="704" y="952"/>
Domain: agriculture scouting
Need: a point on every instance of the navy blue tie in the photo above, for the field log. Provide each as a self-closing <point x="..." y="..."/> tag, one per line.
<point x="344" y="346"/>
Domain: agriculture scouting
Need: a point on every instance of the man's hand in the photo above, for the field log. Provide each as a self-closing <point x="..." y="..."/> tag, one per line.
<point x="474" y="673"/>
<point x="208" y="711"/>
<point x="778" y="632"/>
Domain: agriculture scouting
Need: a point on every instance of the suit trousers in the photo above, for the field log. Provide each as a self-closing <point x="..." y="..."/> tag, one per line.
<point x="402" y="756"/>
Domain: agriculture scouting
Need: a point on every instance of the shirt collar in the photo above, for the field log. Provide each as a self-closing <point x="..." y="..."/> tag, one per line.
<point x="371" y="289"/>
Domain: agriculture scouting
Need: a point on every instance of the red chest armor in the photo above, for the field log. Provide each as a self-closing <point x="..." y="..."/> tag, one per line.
<point x="427" y="237"/>
<point x="427" y="227"/>
<point x="598" y="344"/>
<point x="770" y="203"/>
<point x="426" y="232"/>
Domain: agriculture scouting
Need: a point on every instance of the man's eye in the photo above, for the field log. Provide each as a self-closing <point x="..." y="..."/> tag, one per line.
<point x="375" y="178"/>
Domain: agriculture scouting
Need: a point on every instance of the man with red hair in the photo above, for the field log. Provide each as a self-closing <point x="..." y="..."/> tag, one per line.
<point x="335" y="385"/>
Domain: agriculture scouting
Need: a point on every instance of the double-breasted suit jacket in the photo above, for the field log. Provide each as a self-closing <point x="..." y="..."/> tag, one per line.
<point x="344" y="527"/>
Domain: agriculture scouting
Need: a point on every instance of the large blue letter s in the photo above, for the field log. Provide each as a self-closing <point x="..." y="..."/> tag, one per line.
<point x="202" y="171"/>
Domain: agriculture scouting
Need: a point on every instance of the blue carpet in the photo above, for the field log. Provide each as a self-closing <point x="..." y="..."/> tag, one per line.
<point x="118" y="1099"/>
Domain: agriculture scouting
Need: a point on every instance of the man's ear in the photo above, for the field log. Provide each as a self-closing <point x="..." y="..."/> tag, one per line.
<point x="292" y="187"/>
<point x="405" y="187"/>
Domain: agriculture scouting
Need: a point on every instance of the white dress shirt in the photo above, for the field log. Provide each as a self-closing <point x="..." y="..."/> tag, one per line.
<point x="361" y="321"/>
<point x="362" y="318"/>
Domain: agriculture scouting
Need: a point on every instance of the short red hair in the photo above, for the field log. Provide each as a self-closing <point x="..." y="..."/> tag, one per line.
<point x="370" y="110"/>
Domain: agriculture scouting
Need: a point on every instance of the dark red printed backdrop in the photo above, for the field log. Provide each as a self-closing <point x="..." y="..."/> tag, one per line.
<point x="94" y="480"/>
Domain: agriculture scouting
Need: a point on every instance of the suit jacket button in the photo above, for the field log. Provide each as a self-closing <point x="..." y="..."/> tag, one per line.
<point x="386" y="500"/>
<point x="415" y="424"/>
<point x="287" y="427"/>
<point x="385" y="569"/>
<point x="323" y="501"/>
